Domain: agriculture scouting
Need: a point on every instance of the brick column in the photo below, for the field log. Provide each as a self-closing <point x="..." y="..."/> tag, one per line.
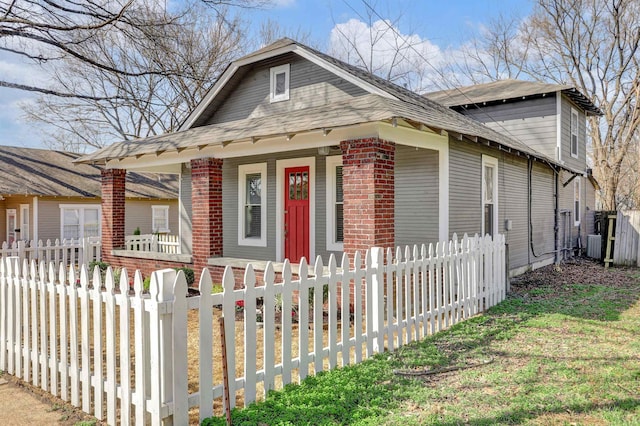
<point x="206" y="208"/>
<point x="368" y="183"/>
<point x="113" y="188"/>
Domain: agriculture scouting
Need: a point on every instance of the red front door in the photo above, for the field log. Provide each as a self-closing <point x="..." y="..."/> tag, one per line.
<point x="296" y="213"/>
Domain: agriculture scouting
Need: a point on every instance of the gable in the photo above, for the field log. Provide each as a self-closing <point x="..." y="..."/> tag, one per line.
<point x="247" y="95"/>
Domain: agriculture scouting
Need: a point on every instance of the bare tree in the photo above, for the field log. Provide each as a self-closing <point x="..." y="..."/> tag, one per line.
<point x="122" y="104"/>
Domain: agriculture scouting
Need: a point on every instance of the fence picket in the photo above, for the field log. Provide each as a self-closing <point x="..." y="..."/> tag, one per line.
<point x="24" y="350"/>
<point x="3" y="318"/>
<point x="333" y="313"/>
<point x="345" y="314"/>
<point x="74" y="366"/>
<point x="110" y="345"/>
<point x="85" y="354"/>
<point x="357" y="306"/>
<point x="32" y="284"/>
<point x="287" y="322"/>
<point x="141" y="332"/>
<point x="318" y="315"/>
<point x="268" y="328"/>
<point x="125" y="348"/>
<point x="228" y="312"/>
<point x="303" y="323"/>
<point x="205" y="318"/>
<point x="250" y="333"/>
<point x="96" y="296"/>
<point x="178" y="367"/>
<point x="391" y="326"/>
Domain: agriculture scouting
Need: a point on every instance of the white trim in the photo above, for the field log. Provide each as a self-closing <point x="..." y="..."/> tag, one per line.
<point x="81" y="208"/>
<point x="577" y="129"/>
<point x="332" y="162"/>
<point x="577" y="189"/>
<point x="428" y="140"/>
<point x="23" y="208"/>
<point x="280" y="166"/>
<point x="243" y="171"/>
<point x="559" y="126"/>
<point x="35" y="219"/>
<point x="489" y="161"/>
<point x="273" y="73"/>
<point x="165" y="209"/>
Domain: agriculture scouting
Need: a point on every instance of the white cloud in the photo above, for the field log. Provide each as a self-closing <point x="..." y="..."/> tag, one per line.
<point x="283" y="3"/>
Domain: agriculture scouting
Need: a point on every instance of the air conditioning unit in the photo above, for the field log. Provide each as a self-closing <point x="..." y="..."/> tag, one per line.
<point x="594" y="246"/>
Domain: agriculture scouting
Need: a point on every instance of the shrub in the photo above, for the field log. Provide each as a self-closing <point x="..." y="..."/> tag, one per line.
<point x="136" y="231"/>
<point x="146" y="284"/>
<point x="188" y="274"/>
<point x="217" y="288"/>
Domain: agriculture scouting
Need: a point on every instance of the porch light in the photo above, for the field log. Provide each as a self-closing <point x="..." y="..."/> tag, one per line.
<point x="323" y="150"/>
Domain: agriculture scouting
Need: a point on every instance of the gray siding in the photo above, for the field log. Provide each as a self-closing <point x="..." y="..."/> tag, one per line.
<point x="531" y="121"/>
<point x="185" y="211"/>
<point x="580" y="162"/>
<point x="138" y="214"/>
<point x="230" y="206"/>
<point x="416" y="196"/>
<point x="465" y="181"/>
<point x="49" y="215"/>
<point x="310" y="85"/>
<point x="542" y="212"/>
<point x="513" y="206"/>
<point x="587" y="206"/>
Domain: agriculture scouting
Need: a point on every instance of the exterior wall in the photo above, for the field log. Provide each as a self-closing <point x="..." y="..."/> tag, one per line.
<point x="138" y="214"/>
<point x="231" y="213"/>
<point x="416" y="196"/>
<point x="531" y="121"/>
<point x="113" y="210"/>
<point x="310" y="85"/>
<point x="206" y="193"/>
<point x="465" y="201"/>
<point x="579" y="163"/>
<point x="587" y="207"/>
<point x="185" y="211"/>
<point x="49" y="215"/>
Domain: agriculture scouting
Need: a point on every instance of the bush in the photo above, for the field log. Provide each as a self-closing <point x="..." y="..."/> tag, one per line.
<point x="188" y="274"/>
<point x="102" y="265"/>
<point x="146" y="284"/>
<point x="136" y="231"/>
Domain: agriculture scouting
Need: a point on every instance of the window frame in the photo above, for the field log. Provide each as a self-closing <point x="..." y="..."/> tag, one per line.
<point x="488" y="161"/>
<point x="165" y="211"/>
<point x="574" y="131"/>
<point x="81" y="217"/>
<point x="332" y="163"/>
<point x="24" y="231"/>
<point x="243" y="171"/>
<point x="577" y="198"/>
<point x="273" y="73"/>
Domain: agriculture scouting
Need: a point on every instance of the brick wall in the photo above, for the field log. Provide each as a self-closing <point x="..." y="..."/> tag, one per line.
<point x="146" y="266"/>
<point x="369" y="190"/>
<point x="113" y="195"/>
<point x="206" y="201"/>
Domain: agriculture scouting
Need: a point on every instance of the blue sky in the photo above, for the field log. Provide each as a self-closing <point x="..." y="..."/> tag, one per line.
<point x="444" y="25"/>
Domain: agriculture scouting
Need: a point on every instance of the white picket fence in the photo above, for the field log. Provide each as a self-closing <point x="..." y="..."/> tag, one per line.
<point x="122" y="355"/>
<point x="67" y="251"/>
<point x="158" y="243"/>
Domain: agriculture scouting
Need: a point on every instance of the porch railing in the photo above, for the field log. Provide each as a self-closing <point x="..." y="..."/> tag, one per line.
<point x="156" y="243"/>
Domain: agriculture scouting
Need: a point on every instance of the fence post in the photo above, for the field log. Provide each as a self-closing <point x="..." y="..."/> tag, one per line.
<point x="161" y="290"/>
<point x="377" y="297"/>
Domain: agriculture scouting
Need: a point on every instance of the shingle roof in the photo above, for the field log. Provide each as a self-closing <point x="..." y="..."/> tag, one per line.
<point x="509" y="89"/>
<point x="41" y="172"/>
<point x="401" y="103"/>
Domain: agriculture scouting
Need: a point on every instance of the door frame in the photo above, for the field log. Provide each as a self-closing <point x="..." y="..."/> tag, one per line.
<point x="14" y="213"/>
<point x="280" y="166"/>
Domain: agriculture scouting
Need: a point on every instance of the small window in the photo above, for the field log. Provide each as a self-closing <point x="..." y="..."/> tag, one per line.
<point x="160" y="219"/>
<point x="79" y="221"/>
<point x="489" y="195"/>
<point x="279" y="83"/>
<point x="335" y="204"/>
<point x="252" y="223"/>
<point x="24" y="221"/>
<point x="576" y="202"/>
<point x="574" y="133"/>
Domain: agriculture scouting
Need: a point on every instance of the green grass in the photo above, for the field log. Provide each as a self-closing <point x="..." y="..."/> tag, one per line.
<point x="557" y="352"/>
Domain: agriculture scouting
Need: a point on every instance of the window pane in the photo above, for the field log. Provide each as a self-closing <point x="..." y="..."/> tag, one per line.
<point x="254" y="188"/>
<point x="305" y="186"/>
<point x="252" y="221"/>
<point x="488" y="182"/>
<point x="292" y="186"/>
<point x="339" y="195"/>
<point x="91" y="223"/>
<point x="71" y="223"/>
<point x="280" y="83"/>
<point x="488" y="219"/>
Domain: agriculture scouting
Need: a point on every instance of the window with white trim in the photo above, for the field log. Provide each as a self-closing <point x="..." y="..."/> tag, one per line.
<point x="279" y="83"/>
<point x="574" y="133"/>
<point x="335" y="204"/>
<point x="577" y="207"/>
<point x="489" y="195"/>
<point x="160" y="219"/>
<point x="252" y="205"/>
<point x="24" y="221"/>
<point x="79" y="220"/>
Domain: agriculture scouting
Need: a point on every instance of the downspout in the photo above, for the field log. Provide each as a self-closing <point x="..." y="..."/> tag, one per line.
<point x="556" y="218"/>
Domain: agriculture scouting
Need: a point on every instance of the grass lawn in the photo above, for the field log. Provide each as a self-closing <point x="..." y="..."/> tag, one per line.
<point x="563" y="349"/>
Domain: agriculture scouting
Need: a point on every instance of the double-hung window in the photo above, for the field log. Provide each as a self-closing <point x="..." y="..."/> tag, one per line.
<point x="252" y="205"/>
<point x="574" y="133"/>
<point x="489" y="195"/>
<point x="335" y="204"/>
<point x="160" y="219"/>
<point x="79" y="220"/>
<point x="279" y="83"/>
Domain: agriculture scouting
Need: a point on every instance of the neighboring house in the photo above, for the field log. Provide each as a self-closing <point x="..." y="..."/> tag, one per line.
<point x="294" y="153"/>
<point x="43" y="195"/>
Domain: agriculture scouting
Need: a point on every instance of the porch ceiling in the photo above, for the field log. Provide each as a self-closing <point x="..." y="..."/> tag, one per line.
<point x="366" y="109"/>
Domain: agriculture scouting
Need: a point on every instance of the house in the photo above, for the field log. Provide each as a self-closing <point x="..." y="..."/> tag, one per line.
<point x="295" y="154"/>
<point x="43" y="195"/>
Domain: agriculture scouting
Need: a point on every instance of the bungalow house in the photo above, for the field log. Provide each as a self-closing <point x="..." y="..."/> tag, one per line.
<point x="43" y="195"/>
<point x="295" y="154"/>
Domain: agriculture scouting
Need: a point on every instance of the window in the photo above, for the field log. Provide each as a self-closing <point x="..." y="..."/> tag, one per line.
<point x="489" y="195"/>
<point x="335" y="204"/>
<point x="574" y="133"/>
<point x="24" y="221"/>
<point x="160" y="219"/>
<point x="79" y="221"/>
<point x="576" y="202"/>
<point x="279" y="83"/>
<point x="252" y="207"/>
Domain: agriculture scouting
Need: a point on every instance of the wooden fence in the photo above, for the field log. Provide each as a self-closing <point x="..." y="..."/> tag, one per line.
<point x="626" y="249"/>
<point x="68" y="252"/>
<point x="121" y="354"/>
<point x="158" y="243"/>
